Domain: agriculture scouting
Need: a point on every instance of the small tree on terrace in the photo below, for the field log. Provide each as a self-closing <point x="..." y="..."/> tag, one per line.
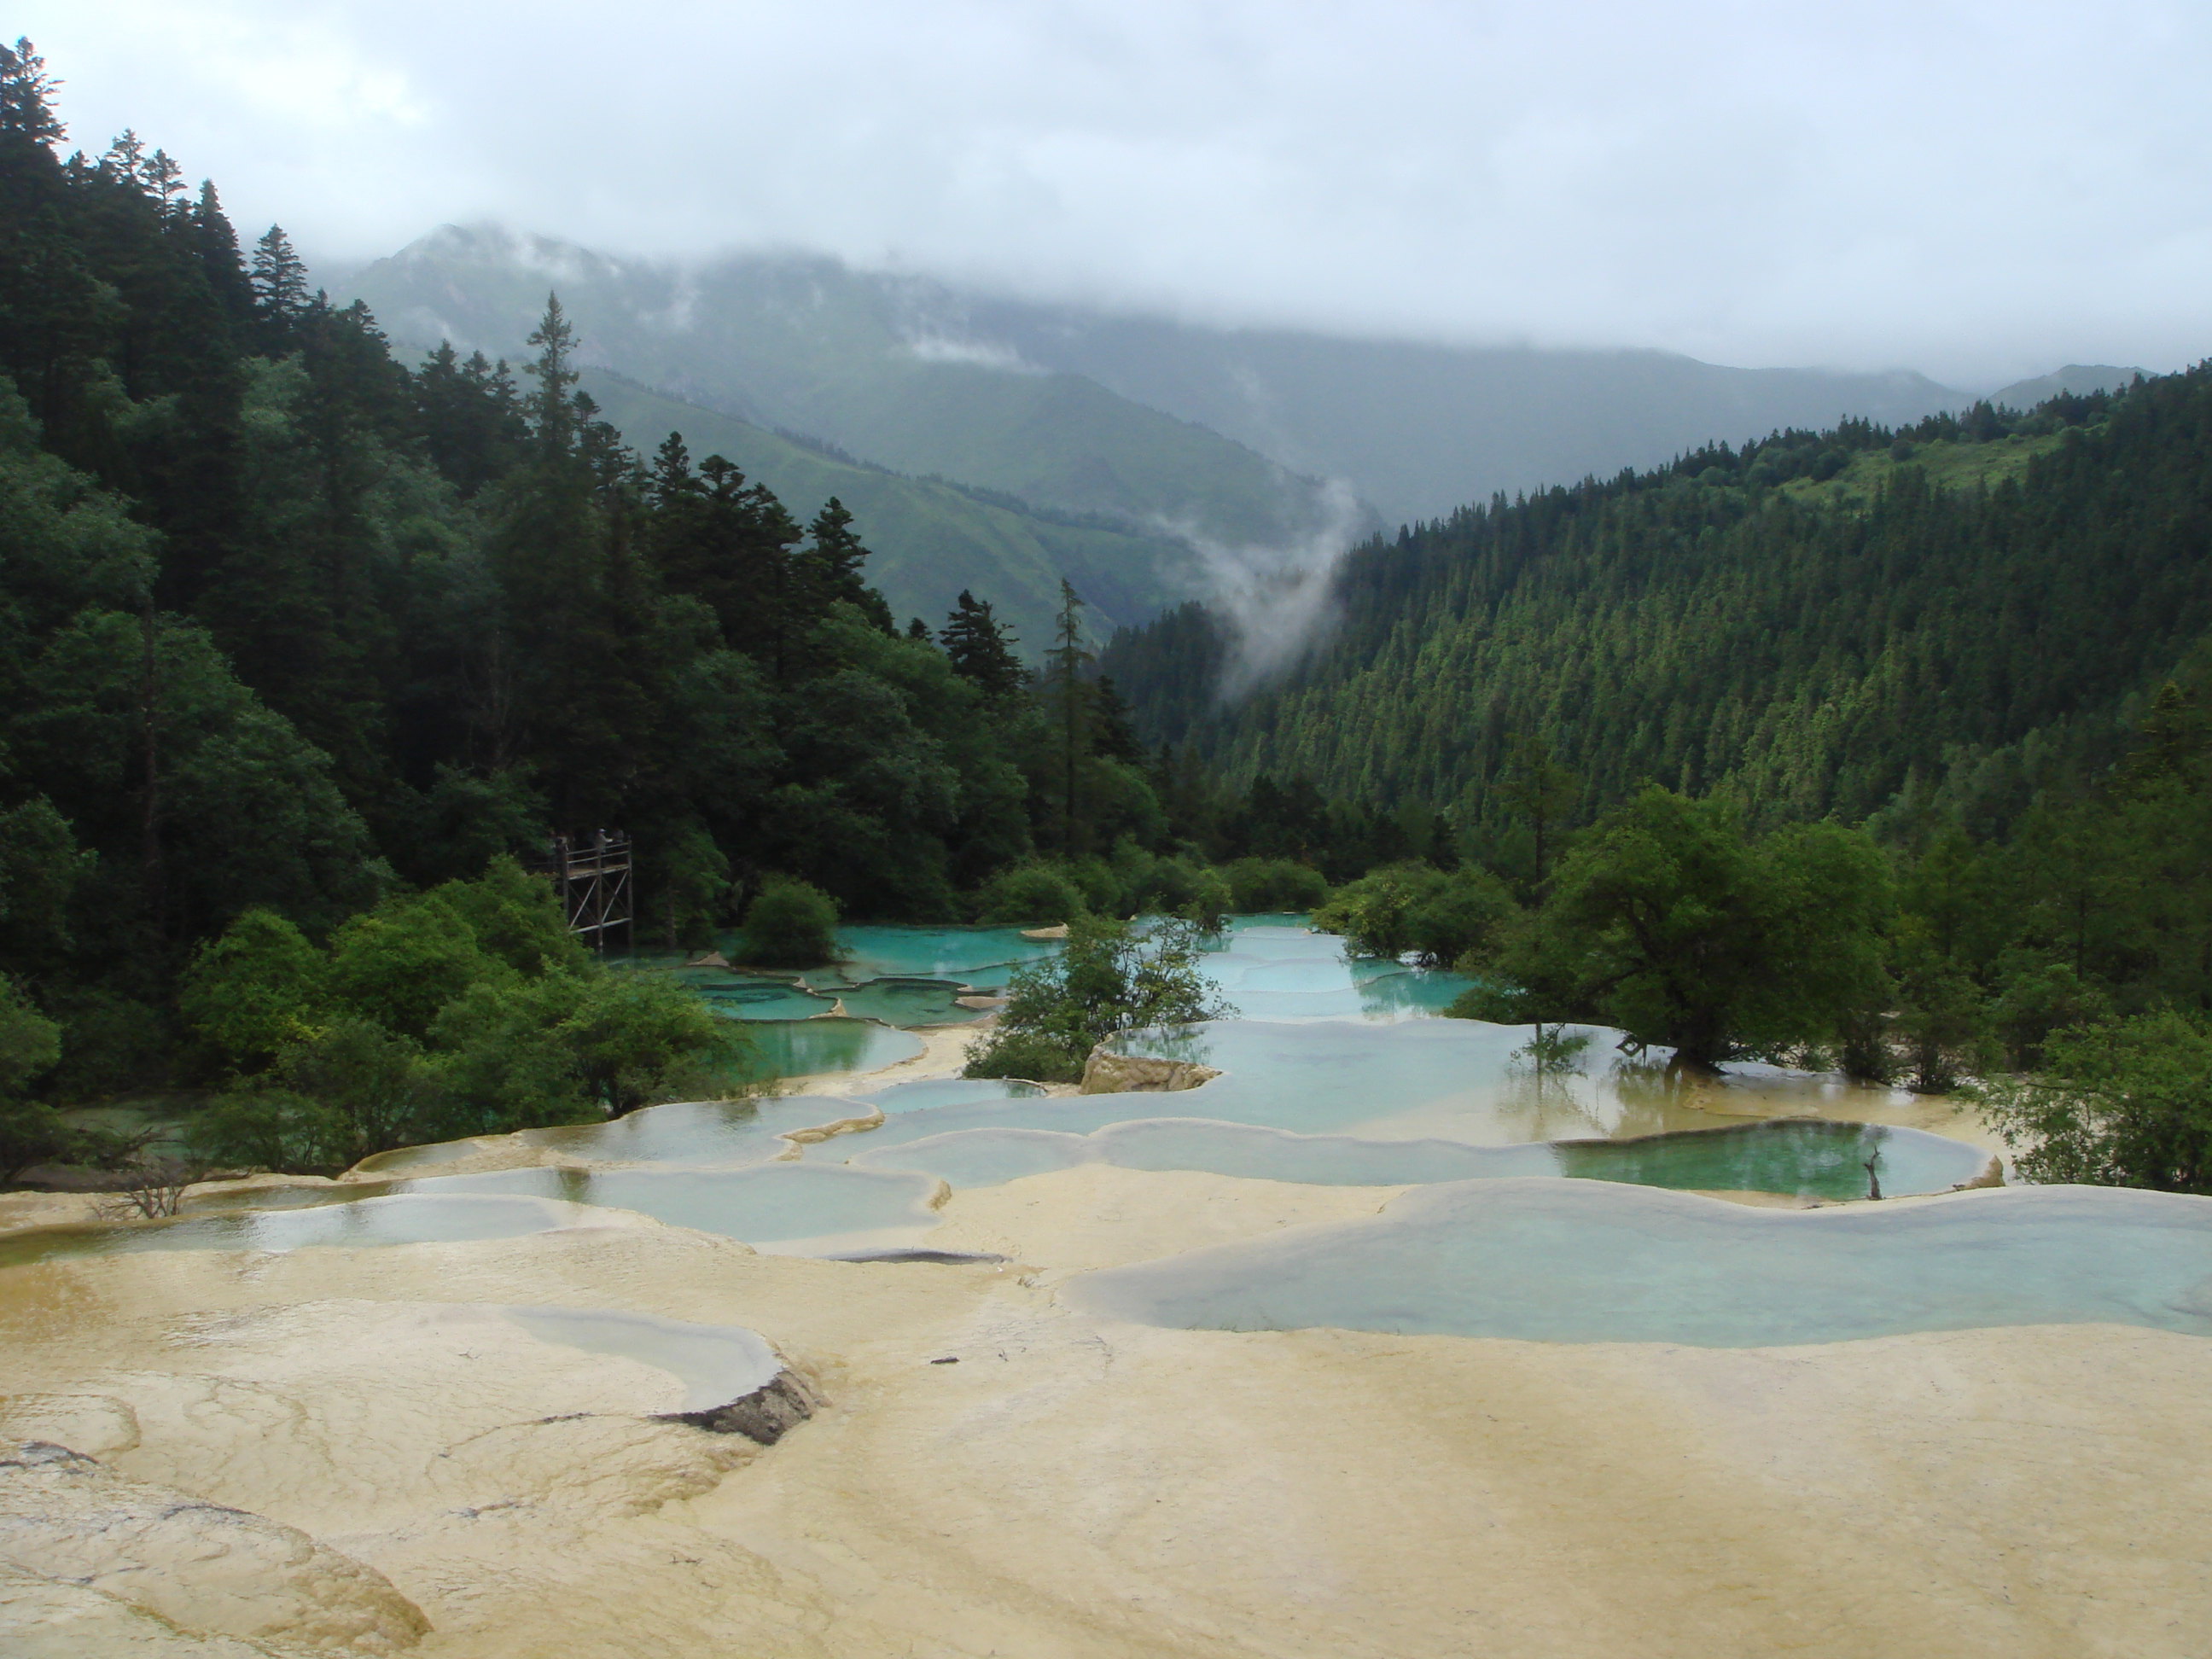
<point x="1669" y="921"/>
<point x="1114" y="976"/>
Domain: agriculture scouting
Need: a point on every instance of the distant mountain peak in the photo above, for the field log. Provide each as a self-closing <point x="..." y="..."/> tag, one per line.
<point x="2076" y="379"/>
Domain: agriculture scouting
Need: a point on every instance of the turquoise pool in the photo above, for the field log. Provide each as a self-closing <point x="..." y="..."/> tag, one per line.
<point x="1803" y="1159"/>
<point x="1573" y="1261"/>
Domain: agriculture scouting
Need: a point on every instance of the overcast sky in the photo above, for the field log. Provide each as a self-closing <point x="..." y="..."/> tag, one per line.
<point x="1977" y="190"/>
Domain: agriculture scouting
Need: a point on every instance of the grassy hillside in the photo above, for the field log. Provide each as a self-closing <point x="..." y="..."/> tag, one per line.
<point x="1950" y="463"/>
<point x="1813" y="623"/>
<point x="930" y="538"/>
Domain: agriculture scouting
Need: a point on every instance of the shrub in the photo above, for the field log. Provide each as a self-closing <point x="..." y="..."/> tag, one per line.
<point x="378" y="1087"/>
<point x="635" y="1040"/>
<point x="789" y="924"/>
<point x="1418" y="909"/>
<point x="1037" y="894"/>
<point x="399" y="963"/>
<point x="1112" y="977"/>
<point x="32" y="1132"/>
<point x="1034" y="1056"/>
<point x="272" y="1130"/>
<point x="2124" y="1103"/>
<point x="2038" y="999"/>
<point x="1207" y="907"/>
<point x="253" y="990"/>
<point x="516" y="918"/>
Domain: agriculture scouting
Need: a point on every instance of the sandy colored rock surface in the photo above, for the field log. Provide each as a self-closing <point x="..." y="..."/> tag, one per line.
<point x="1099" y="1215"/>
<point x="46" y="1619"/>
<point x="201" y="1566"/>
<point x="1074" y="1488"/>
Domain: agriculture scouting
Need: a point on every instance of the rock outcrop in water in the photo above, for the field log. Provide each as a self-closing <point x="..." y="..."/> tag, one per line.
<point x="1110" y="1073"/>
<point x="765" y="1415"/>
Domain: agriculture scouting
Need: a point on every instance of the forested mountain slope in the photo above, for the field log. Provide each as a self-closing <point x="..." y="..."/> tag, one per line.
<point x="1814" y="622"/>
<point x="860" y="361"/>
<point x="1419" y="428"/>
<point x="289" y="625"/>
<point x="931" y="538"/>
<point x="1070" y="406"/>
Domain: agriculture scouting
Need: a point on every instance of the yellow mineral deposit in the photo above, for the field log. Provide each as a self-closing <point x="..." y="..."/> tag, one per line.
<point x="336" y="1451"/>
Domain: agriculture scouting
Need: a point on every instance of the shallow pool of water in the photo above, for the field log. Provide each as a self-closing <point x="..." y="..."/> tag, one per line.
<point x="950" y="1091"/>
<point x="714" y="1132"/>
<point x="387" y="1219"/>
<point x="716" y="1363"/>
<point x="981" y="957"/>
<point x="806" y="1208"/>
<point x="1801" y="1159"/>
<point x="1447" y="1079"/>
<point x="786" y="1208"/>
<point x="1571" y="1261"/>
<point x="807" y="1046"/>
<point x="909" y="1002"/>
<point x="1268" y="970"/>
<point x="745" y="998"/>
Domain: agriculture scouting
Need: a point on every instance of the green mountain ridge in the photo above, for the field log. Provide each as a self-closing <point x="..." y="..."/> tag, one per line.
<point x="807" y="344"/>
<point x="931" y="537"/>
<point x="1837" y="622"/>
<point x="2074" y="379"/>
<point x="1421" y="428"/>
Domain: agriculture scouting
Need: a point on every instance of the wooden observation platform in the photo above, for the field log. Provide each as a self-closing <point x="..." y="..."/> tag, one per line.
<point x="592" y="874"/>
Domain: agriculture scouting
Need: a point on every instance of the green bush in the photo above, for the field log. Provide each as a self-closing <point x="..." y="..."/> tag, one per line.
<point x="399" y="963"/>
<point x="1258" y="886"/>
<point x="1035" y="895"/>
<point x="1101" y="887"/>
<point x="634" y="1040"/>
<point x="789" y="924"/>
<point x="469" y="1010"/>
<point x="2124" y="1103"/>
<point x="378" y="1086"/>
<point x="271" y="1130"/>
<point x="1208" y="905"/>
<point x="32" y="1132"/>
<point x="2037" y="999"/>
<point x="1112" y="976"/>
<point x="1037" y="1056"/>
<point x="515" y="918"/>
<point x="1671" y="921"/>
<point x="1417" y="909"/>
<point x="29" y="1042"/>
<point x="254" y="990"/>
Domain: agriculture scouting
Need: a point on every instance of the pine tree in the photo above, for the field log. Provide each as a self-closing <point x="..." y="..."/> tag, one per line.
<point x="1542" y="791"/>
<point x="551" y="408"/>
<point x="279" y="279"/>
<point x="834" y="557"/>
<point x="216" y="243"/>
<point x="27" y="115"/>
<point x="1067" y="689"/>
<point x="981" y="648"/>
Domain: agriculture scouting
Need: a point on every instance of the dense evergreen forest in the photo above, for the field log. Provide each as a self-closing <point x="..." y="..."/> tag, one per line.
<point x="1859" y="748"/>
<point x="293" y="632"/>
<point x="1818" y="622"/>
<point x="1863" y="748"/>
